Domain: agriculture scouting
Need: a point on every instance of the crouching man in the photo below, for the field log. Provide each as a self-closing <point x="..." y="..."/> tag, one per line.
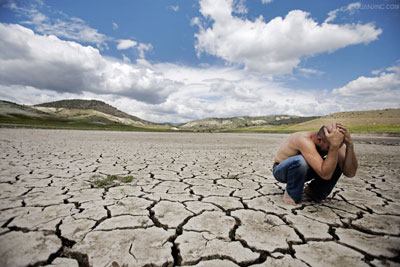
<point x="318" y="156"/>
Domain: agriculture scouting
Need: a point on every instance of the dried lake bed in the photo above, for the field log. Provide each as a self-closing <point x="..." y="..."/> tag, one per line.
<point x="192" y="200"/>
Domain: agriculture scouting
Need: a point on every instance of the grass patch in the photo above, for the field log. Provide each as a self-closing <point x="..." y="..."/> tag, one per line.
<point x="231" y="176"/>
<point x="112" y="180"/>
<point x="126" y="179"/>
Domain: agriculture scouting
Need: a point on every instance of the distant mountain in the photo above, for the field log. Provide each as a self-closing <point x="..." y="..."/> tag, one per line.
<point x="81" y="114"/>
<point x="213" y="124"/>
<point x="90" y="105"/>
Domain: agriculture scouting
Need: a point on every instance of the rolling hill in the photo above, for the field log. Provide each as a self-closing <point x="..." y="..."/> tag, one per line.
<point x="88" y="105"/>
<point x="93" y="114"/>
<point x="91" y="110"/>
<point x="81" y="114"/>
<point x="223" y="124"/>
<point x="385" y="121"/>
<point x="10" y="109"/>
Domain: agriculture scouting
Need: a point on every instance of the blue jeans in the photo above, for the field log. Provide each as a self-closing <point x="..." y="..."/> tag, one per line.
<point x="295" y="171"/>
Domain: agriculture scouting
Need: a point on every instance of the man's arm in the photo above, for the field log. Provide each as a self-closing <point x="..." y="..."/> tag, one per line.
<point x="348" y="156"/>
<point x="324" y="168"/>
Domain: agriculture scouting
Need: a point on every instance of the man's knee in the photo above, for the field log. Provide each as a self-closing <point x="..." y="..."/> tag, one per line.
<point x="300" y="163"/>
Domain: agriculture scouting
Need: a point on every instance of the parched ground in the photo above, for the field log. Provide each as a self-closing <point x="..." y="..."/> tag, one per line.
<point x="194" y="199"/>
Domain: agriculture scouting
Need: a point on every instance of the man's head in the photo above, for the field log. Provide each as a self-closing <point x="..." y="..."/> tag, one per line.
<point x="322" y="142"/>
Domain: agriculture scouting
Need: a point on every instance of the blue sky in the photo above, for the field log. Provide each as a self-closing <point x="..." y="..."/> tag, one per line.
<point x="180" y="60"/>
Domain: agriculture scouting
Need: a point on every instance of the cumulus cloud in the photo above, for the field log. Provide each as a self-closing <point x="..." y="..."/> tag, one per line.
<point x="387" y="81"/>
<point x="229" y="91"/>
<point x="46" y="62"/>
<point x="36" y="68"/>
<point x="125" y="44"/>
<point x="274" y="47"/>
<point x="377" y="92"/>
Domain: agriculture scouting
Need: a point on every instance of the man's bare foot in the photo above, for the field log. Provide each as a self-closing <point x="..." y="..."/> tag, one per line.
<point x="287" y="199"/>
<point x="311" y="194"/>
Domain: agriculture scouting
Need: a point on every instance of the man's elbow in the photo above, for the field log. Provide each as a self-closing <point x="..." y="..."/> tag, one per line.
<point x="350" y="174"/>
<point x="326" y="177"/>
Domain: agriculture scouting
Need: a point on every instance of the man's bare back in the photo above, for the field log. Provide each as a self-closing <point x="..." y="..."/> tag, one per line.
<point x="290" y="147"/>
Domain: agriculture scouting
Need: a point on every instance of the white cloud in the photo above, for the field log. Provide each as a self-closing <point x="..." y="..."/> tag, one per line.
<point x="274" y="47"/>
<point x="125" y="44"/>
<point x="35" y="68"/>
<point x="239" y="6"/>
<point x="372" y="86"/>
<point x="126" y="59"/>
<point x="266" y="1"/>
<point x="376" y="72"/>
<point x="60" y="24"/>
<point x="349" y="8"/>
<point x="377" y="92"/>
<point x="46" y="62"/>
<point x="71" y="28"/>
<point x="174" y="8"/>
<point x="142" y="48"/>
<point x="227" y="91"/>
<point x="307" y="71"/>
<point x="29" y="95"/>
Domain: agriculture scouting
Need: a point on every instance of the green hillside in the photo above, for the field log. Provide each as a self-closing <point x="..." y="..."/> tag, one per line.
<point x="90" y="105"/>
<point x="227" y="124"/>
<point x="97" y="115"/>
<point x="81" y="115"/>
<point x="385" y="121"/>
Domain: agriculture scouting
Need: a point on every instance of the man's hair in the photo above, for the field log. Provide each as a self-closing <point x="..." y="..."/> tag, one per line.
<point x="321" y="133"/>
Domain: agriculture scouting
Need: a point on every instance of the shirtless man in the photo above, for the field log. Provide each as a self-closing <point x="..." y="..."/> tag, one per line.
<point x="318" y="156"/>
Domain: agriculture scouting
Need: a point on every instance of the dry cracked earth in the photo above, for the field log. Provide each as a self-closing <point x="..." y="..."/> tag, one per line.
<point x="193" y="200"/>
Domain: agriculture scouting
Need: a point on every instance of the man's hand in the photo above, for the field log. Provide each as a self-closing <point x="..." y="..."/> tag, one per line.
<point x="335" y="137"/>
<point x="346" y="133"/>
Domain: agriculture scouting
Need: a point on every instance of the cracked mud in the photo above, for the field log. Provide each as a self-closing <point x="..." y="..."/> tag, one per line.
<point x="194" y="200"/>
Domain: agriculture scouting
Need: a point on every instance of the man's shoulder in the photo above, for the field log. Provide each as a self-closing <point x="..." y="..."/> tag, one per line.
<point x="302" y="136"/>
<point x="301" y="139"/>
